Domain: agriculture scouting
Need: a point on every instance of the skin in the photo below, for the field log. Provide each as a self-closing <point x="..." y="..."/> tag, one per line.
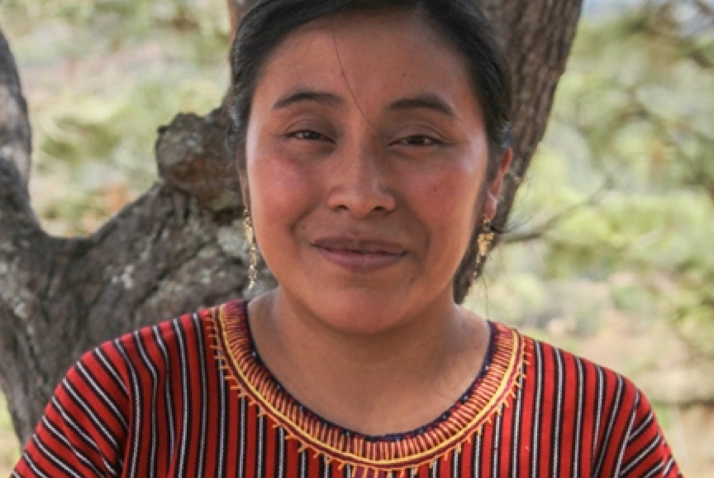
<point x="366" y="157"/>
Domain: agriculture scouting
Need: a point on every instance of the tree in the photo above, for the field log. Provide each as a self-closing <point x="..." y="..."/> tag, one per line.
<point x="177" y="247"/>
<point x="642" y="132"/>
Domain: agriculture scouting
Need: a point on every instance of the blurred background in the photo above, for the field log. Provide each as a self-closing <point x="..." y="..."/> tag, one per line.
<point x="609" y="251"/>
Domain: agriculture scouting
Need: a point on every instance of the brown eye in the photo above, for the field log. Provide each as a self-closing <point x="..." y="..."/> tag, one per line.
<point x="419" y="140"/>
<point x="307" y="135"/>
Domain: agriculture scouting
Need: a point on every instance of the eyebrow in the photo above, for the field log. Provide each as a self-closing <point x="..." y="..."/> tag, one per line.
<point x="305" y="95"/>
<point x="424" y="101"/>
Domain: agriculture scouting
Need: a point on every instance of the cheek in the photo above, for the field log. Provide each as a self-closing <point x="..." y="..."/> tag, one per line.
<point x="454" y="196"/>
<point x="281" y="192"/>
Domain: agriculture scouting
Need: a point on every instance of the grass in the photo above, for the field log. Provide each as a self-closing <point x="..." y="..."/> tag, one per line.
<point x="9" y="447"/>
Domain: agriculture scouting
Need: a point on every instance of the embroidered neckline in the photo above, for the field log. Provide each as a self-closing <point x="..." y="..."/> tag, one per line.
<point x="494" y="386"/>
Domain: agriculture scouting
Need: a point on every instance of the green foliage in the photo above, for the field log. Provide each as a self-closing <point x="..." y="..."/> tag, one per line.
<point x="105" y="75"/>
<point x="9" y="448"/>
<point x="624" y="179"/>
<point x="121" y="22"/>
<point x="630" y="147"/>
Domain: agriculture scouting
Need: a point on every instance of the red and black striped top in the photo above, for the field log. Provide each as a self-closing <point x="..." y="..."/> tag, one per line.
<point x="190" y="397"/>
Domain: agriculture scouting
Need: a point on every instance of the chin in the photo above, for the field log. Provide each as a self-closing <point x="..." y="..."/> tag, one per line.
<point x="362" y="314"/>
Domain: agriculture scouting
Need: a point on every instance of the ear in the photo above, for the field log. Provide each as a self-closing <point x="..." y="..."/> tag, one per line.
<point x="494" y="189"/>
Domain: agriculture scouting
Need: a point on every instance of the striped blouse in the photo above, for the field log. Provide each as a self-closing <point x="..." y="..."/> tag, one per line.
<point x="191" y="398"/>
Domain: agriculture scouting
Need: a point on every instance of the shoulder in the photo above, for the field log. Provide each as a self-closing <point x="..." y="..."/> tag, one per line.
<point x="154" y="349"/>
<point x="561" y="385"/>
<point x="95" y="418"/>
<point x="554" y="366"/>
<point x="565" y="393"/>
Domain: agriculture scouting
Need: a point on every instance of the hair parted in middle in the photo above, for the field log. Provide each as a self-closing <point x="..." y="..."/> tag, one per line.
<point x="461" y="22"/>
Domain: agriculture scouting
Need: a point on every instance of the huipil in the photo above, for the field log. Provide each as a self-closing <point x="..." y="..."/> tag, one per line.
<point x="190" y="397"/>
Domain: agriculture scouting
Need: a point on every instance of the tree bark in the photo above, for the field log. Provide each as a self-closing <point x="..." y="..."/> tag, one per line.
<point x="236" y="10"/>
<point x="180" y="246"/>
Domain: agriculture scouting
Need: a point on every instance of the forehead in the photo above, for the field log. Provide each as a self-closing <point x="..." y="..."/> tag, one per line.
<point x="370" y="54"/>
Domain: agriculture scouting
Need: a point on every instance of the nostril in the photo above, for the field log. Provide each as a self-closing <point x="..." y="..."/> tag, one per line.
<point x="361" y="201"/>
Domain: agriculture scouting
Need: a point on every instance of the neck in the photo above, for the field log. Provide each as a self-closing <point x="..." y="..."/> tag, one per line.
<point x="395" y="380"/>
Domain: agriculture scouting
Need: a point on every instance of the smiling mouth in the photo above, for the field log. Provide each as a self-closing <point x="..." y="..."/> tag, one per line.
<point x="359" y="246"/>
<point x="358" y="255"/>
<point x="358" y="251"/>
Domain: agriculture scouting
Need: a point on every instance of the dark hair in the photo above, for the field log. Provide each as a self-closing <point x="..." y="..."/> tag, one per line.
<point x="461" y="22"/>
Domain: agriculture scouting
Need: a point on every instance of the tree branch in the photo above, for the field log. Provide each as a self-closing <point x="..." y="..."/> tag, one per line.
<point x="534" y="86"/>
<point x="179" y="247"/>
<point x="542" y="229"/>
<point x="15" y="136"/>
<point x="192" y="158"/>
<point x="538" y="36"/>
<point x="236" y="9"/>
<point x="19" y="228"/>
<point x="706" y="403"/>
<point x="704" y="9"/>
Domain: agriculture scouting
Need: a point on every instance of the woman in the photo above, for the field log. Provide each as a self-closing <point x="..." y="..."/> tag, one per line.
<point x="371" y="138"/>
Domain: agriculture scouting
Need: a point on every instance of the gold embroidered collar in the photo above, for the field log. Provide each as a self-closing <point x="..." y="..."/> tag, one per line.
<point x="494" y="386"/>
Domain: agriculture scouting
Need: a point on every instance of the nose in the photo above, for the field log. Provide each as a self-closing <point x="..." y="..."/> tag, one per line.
<point x="360" y="181"/>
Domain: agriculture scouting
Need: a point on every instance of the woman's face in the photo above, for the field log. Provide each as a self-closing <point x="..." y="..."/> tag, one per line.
<point x="366" y="157"/>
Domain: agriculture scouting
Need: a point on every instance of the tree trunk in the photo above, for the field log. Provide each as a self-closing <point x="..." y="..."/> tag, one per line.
<point x="180" y="246"/>
<point x="236" y="9"/>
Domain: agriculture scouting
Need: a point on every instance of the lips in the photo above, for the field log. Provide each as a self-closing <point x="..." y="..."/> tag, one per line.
<point x="358" y="246"/>
<point x="359" y="254"/>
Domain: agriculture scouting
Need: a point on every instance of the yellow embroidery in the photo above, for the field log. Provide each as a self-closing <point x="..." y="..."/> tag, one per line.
<point x="251" y="380"/>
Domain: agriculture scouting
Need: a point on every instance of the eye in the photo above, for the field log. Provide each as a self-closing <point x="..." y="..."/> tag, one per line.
<point x="419" y="140"/>
<point x="307" y="135"/>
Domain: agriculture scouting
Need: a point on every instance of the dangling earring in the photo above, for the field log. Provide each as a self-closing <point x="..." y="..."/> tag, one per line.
<point x="484" y="242"/>
<point x="253" y="251"/>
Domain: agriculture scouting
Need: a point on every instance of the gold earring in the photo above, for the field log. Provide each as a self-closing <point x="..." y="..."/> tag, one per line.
<point x="253" y="251"/>
<point x="484" y="242"/>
